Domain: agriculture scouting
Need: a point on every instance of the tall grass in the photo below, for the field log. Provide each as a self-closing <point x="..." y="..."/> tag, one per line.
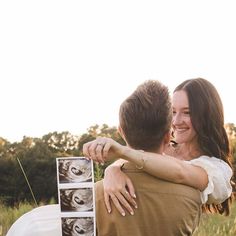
<point x="9" y="215"/>
<point x="211" y="225"/>
<point x="215" y="224"/>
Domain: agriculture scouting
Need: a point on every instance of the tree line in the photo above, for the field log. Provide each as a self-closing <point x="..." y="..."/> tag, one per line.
<point x="38" y="156"/>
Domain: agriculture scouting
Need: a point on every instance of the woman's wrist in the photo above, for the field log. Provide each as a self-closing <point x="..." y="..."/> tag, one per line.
<point x="113" y="168"/>
<point x="136" y="156"/>
<point x="126" y="152"/>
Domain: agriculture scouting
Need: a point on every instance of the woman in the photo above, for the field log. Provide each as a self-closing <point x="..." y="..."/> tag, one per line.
<point x="200" y="140"/>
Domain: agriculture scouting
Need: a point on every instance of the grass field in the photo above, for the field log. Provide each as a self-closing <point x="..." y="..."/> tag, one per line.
<point x="218" y="225"/>
<point x="211" y="225"/>
<point x="8" y="215"/>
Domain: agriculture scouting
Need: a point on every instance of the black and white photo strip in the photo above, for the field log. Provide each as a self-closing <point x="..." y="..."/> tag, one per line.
<point x="75" y="181"/>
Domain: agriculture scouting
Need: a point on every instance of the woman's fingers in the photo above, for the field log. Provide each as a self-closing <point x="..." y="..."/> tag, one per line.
<point x="129" y="199"/>
<point x="130" y="188"/>
<point x="124" y="203"/>
<point x="102" y="149"/>
<point x="107" y="202"/>
<point x="98" y="153"/>
<point x="106" y="149"/>
<point x="120" y="201"/>
<point x="117" y="204"/>
<point x="97" y="149"/>
<point x="89" y="150"/>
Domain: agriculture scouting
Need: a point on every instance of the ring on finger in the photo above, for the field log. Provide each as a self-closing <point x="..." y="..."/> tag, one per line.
<point x="100" y="144"/>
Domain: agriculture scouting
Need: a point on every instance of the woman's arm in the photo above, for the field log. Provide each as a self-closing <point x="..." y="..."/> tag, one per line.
<point x="168" y="168"/>
<point x="162" y="166"/>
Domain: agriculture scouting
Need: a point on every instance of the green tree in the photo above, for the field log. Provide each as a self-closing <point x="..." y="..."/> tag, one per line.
<point x="37" y="157"/>
<point x="62" y="143"/>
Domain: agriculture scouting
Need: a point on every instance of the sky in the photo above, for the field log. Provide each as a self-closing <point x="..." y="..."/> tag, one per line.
<point x="67" y="65"/>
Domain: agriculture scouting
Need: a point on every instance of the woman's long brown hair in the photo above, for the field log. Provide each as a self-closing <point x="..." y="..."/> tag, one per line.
<point x="207" y="117"/>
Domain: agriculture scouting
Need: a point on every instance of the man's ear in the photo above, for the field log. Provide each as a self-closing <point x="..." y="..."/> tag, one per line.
<point x="121" y="132"/>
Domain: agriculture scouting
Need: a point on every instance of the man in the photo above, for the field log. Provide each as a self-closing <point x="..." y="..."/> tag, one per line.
<point x="165" y="208"/>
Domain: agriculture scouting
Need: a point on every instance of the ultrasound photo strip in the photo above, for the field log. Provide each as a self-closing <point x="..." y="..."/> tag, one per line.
<point x="75" y="181"/>
<point x="76" y="199"/>
<point x="74" y="170"/>
<point x="73" y="226"/>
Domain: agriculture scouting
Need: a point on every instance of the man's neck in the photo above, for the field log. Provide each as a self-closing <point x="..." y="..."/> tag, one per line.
<point x="159" y="150"/>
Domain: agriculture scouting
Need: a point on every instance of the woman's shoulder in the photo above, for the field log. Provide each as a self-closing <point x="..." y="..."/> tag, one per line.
<point x="210" y="159"/>
<point x="211" y="163"/>
<point x="219" y="176"/>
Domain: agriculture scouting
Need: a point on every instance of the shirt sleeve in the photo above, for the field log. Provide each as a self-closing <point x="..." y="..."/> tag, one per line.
<point x="219" y="176"/>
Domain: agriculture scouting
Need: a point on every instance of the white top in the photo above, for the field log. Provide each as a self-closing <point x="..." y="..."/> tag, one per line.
<point x="219" y="176"/>
<point x="41" y="221"/>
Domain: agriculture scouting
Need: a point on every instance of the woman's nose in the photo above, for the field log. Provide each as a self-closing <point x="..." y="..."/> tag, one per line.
<point x="177" y="119"/>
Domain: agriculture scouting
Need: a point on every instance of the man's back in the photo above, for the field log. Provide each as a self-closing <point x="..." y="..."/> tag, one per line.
<point x="164" y="208"/>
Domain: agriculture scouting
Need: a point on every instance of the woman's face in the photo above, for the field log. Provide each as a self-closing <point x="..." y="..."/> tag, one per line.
<point x="181" y="124"/>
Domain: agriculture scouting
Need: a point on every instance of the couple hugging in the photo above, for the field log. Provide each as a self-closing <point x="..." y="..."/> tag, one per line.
<point x="176" y="163"/>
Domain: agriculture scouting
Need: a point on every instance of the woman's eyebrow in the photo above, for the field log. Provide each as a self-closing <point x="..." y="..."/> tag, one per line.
<point x="182" y="108"/>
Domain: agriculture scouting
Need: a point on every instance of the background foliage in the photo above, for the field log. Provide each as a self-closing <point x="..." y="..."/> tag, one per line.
<point x="37" y="156"/>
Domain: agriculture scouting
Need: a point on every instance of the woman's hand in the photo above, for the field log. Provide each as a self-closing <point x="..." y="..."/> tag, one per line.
<point x="102" y="149"/>
<point x="119" y="188"/>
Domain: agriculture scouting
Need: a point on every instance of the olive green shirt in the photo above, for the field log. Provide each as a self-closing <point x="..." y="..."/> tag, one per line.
<point x="164" y="208"/>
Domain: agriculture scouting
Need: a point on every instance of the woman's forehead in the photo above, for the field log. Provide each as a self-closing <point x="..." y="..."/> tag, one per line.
<point x="180" y="99"/>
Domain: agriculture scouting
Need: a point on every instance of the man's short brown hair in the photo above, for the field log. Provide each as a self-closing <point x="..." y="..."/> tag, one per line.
<point x="145" y="116"/>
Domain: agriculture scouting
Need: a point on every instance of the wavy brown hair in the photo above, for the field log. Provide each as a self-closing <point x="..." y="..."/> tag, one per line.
<point x="145" y="116"/>
<point x="207" y="117"/>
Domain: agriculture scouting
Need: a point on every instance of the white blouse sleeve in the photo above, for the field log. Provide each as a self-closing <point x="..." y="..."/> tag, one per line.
<point x="219" y="176"/>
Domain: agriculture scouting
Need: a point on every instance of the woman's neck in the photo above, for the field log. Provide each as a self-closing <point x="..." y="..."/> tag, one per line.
<point x="186" y="151"/>
<point x="189" y="152"/>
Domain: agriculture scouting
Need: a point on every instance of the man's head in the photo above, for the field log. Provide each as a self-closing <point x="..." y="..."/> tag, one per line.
<point x="145" y="116"/>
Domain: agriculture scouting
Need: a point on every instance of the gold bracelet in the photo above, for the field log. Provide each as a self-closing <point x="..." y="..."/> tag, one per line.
<point x="143" y="162"/>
